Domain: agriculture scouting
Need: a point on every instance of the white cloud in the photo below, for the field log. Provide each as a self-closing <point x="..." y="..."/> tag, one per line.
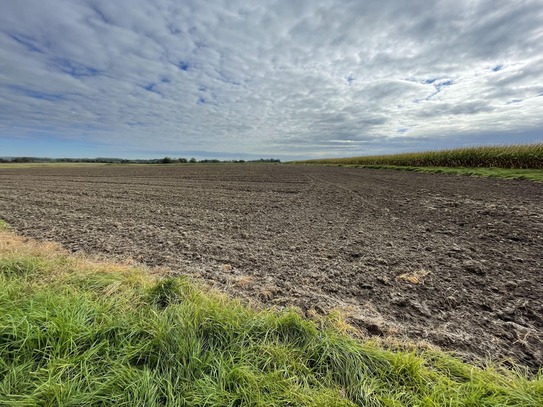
<point x="279" y="78"/>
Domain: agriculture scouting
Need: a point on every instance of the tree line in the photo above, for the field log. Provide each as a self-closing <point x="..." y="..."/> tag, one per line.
<point x="165" y="160"/>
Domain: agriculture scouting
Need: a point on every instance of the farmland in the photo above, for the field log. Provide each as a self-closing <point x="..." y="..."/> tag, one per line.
<point x="451" y="261"/>
<point x="80" y="332"/>
<point x="522" y="156"/>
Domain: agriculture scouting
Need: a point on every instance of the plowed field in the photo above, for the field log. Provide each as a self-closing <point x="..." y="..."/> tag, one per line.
<point x="453" y="261"/>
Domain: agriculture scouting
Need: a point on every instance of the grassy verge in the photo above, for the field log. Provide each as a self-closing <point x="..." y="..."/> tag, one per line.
<point x="512" y="156"/>
<point x="78" y="333"/>
<point x="515" y="173"/>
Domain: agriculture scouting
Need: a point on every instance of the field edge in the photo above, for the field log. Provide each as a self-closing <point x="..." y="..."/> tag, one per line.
<point x="534" y="175"/>
<point x="138" y="317"/>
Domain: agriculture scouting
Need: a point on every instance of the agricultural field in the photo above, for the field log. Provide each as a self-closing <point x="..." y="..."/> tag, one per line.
<point x="80" y="332"/>
<point x="450" y="261"/>
<point x="521" y="156"/>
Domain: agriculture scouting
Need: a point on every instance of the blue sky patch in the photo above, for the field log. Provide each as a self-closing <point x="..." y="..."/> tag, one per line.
<point x="74" y="69"/>
<point x="429" y="81"/>
<point x="184" y="66"/>
<point x="27" y="42"/>
<point x="35" y="94"/>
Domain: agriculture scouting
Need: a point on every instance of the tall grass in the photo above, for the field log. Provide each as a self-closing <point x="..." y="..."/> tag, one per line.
<point x="511" y="156"/>
<point x="77" y="333"/>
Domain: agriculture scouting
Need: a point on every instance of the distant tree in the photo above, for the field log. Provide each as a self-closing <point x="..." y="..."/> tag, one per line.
<point x="167" y="160"/>
<point x="266" y="160"/>
<point x="192" y="160"/>
<point x="182" y="160"/>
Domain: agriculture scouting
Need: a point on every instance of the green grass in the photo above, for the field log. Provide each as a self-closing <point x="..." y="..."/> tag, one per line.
<point x="526" y="156"/>
<point x="515" y="173"/>
<point x="77" y="333"/>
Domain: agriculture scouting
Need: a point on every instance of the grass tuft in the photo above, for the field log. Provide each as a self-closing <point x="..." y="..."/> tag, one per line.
<point x="20" y="267"/>
<point x="74" y="332"/>
<point x="167" y="292"/>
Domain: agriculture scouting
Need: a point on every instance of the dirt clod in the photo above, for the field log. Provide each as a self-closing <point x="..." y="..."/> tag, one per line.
<point x="474" y="267"/>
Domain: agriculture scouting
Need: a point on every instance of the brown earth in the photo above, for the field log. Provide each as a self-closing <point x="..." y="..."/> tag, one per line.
<point x="454" y="261"/>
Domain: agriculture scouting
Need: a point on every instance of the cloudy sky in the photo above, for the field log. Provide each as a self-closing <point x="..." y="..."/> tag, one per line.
<point x="267" y="78"/>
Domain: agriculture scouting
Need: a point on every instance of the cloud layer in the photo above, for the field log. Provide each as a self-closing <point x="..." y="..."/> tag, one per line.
<point x="275" y="78"/>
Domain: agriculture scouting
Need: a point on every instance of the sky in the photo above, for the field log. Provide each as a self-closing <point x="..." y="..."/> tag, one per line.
<point x="287" y="79"/>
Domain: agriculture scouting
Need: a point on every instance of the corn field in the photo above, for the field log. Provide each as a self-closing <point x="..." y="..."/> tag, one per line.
<point x="510" y="156"/>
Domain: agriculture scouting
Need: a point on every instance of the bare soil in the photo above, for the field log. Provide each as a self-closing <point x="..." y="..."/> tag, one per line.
<point x="453" y="261"/>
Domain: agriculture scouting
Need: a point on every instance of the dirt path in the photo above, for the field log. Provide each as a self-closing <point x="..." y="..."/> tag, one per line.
<point x="455" y="261"/>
